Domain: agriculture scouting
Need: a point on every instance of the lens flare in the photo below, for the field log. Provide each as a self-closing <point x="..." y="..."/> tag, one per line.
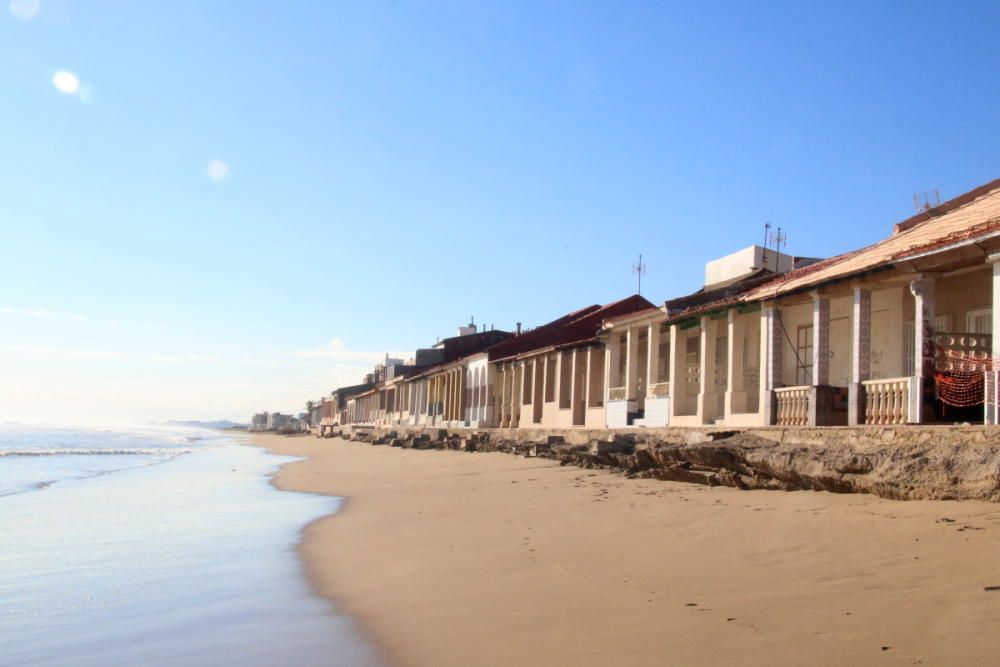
<point x="24" y="10"/>
<point x="217" y="170"/>
<point x="66" y="82"/>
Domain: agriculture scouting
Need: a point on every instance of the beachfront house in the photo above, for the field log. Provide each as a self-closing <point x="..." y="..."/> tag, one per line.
<point x="429" y="389"/>
<point x="454" y="388"/>
<point x="655" y="370"/>
<point x="637" y="347"/>
<point x="899" y="332"/>
<point x="553" y="376"/>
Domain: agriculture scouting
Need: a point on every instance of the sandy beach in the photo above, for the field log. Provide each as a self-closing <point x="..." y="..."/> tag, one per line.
<point x="450" y="558"/>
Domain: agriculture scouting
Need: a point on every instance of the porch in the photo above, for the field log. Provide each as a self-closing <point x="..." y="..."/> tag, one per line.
<point x="638" y="369"/>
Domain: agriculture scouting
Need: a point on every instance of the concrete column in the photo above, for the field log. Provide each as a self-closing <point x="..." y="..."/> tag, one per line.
<point x="924" y="298"/>
<point x="463" y="396"/>
<point x="586" y="382"/>
<point x="515" y="394"/>
<point x="676" y="373"/>
<point x="706" y="403"/>
<point x="452" y="395"/>
<point x="861" y="341"/>
<point x="536" y="394"/>
<point x="992" y="411"/>
<point x="511" y="369"/>
<point x="446" y="411"/>
<point x="504" y="399"/>
<point x="608" y="354"/>
<point x="632" y="363"/>
<point x="652" y="356"/>
<point x="924" y="292"/>
<point x="821" y="340"/>
<point x="772" y="342"/>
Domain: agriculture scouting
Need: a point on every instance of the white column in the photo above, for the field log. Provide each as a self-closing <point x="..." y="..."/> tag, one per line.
<point x="771" y="348"/>
<point x="652" y="356"/>
<point x="504" y="419"/>
<point x="861" y="336"/>
<point x="586" y="383"/>
<point x="924" y="298"/>
<point x="923" y="290"/>
<point x="677" y="385"/>
<point x="706" y="371"/>
<point x="632" y="363"/>
<point x="992" y="411"/>
<point x="517" y="382"/>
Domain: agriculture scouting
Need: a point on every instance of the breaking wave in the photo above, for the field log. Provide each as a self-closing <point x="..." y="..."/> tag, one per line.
<point x="77" y="451"/>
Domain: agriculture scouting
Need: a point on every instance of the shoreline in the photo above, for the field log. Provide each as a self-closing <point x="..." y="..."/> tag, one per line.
<point x="447" y="558"/>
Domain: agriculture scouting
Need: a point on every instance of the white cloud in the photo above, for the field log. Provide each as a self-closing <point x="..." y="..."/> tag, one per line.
<point x="217" y="170"/>
<point x="25" y="10"/>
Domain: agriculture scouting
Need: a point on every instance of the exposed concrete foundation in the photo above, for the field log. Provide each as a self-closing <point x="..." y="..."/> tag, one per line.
<point x="902" y="462"/>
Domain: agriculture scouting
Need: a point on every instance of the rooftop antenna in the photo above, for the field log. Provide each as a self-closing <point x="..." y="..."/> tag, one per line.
<point x="925" y="201"/>
<point x="639" y="269"/>
<point x="779" y="239"/>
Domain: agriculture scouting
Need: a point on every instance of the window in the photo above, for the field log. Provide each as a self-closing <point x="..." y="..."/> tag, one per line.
<point x="804" y="354"/>
<point x="979" y="321"/>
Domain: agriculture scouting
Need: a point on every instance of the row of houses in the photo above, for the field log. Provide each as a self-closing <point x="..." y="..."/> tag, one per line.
<point x="275" y="421"/>
<point x="898" y="332"/>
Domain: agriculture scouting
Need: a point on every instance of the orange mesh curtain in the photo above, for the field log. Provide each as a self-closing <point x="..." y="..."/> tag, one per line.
<point x="960" y="389"/>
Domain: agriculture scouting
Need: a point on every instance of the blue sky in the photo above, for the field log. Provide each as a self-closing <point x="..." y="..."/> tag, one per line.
<point x="394" y="168"/>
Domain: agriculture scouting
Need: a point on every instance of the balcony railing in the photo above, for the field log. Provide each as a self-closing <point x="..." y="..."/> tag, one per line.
<point x="793" y="406"/>
<point x="659" y="390"/>
<point x="887" y="401"/>
<point x="616" y="394"/>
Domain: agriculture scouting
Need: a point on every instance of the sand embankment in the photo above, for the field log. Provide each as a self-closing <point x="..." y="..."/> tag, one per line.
<point x="450" y="558"/>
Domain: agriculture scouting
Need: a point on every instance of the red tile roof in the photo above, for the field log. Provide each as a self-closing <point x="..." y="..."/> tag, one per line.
<point x="572" y="330"/>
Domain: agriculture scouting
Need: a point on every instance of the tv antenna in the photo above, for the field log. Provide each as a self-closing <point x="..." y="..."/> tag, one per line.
<point x="925" y="201"/>
<point x="779" y="239"/>
<point x="639" y="269"/>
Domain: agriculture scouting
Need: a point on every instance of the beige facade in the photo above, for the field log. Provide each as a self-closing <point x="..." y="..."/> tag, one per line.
<point x="551" y="389"/>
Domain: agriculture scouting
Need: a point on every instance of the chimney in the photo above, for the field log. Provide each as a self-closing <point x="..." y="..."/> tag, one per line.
<point x="518" y="328"/>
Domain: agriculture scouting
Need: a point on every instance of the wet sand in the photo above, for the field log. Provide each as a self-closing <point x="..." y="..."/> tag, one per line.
<point x="450" y="558"/>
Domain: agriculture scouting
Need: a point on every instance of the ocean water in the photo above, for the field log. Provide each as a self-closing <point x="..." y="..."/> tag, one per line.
<point x="156" y="546"/>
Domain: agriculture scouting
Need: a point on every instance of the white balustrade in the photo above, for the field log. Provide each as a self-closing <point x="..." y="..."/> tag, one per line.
<point x="793" y="406"/>
<point x="887" y="401"/>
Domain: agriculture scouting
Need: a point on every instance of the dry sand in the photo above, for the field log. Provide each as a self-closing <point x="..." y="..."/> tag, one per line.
<point x="450" y="558"/>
